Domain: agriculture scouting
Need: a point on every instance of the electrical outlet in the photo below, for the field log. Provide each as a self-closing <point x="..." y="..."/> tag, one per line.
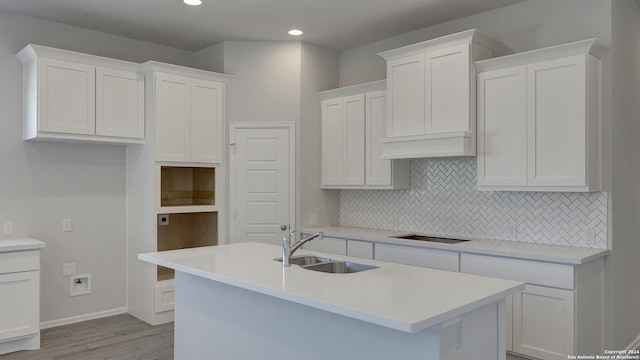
<point x="589" y="236"/>
<point x="511" y="231"/>
<point x="66" y="225"/>
<point x="68" y="269"/>
<point x="7" y="228"/>
<point x="163" y="219"/>
<point x="313" y="219"/>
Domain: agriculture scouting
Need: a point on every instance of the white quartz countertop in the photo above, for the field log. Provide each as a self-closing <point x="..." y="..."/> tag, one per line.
<point x="405" y="298"/>
<point x="530" y="251"/>
<point x="20" y="244"/>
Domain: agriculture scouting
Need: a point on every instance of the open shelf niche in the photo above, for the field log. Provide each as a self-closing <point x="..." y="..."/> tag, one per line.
<point x="185" y="231"/>
<point x="187" y="186"/>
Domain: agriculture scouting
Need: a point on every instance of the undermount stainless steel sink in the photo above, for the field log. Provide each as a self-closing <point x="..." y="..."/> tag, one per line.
<point x="339" y="267"/>
<point x="304" y="260"/>
<point x="326" y="265"/>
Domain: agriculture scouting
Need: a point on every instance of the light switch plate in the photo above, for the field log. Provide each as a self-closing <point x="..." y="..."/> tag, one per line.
<point x="66" y="225"/>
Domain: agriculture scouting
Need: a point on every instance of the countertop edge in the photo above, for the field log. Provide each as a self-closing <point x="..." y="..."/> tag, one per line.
<point x="386" y="237"/>
<point x="20" y="244"/>
<point x="396" y="324"/>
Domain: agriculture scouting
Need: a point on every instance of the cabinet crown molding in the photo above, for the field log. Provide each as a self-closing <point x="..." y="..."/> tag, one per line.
<point x="32" y="51"/>
<point x="464" y="37"/>
<point x="353" y="90"/>
<point x="151" y="66"/>
<point x="594" y="47"/>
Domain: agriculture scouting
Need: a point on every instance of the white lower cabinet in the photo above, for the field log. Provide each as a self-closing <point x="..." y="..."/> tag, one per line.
<point x="408" y="255"/>
<point x="19" y="300"/>
<point x="560" y="311"/>
<point x="361" y="249"/>
<point x="327" y="245"/>
<point x="543" y="319"/>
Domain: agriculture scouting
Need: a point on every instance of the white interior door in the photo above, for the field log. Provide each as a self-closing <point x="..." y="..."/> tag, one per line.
<point x="262" y="182"/>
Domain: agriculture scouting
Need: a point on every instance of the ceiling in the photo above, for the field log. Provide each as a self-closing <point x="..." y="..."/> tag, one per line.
<point x="335" y="24"/>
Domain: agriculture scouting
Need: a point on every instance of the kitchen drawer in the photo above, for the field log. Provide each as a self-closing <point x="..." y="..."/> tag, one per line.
<point x="408" y="255"/>
<point x="361" y="249"/>
<point x="531" y="272"/>
<point x="164" y="296"/>
<point x="327" y="245"/>
<point x="18" y="261"/>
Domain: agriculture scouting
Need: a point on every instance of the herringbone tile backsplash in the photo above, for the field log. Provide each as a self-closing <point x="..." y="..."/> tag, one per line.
<point x="443" y="200"/>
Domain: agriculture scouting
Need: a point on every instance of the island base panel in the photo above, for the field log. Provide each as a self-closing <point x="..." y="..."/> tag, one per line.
<point x="215" y="319"/>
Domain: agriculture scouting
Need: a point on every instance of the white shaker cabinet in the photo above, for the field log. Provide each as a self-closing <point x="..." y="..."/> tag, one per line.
<point x="560" y="311"/>
<point x="189" y="118"/>
<point x="327" y="245"/>
<point x="352" y="125"/>
<point x="539" y="119"/>
<point x="418" y="256"/>
<point x="70" y="96"/>
<point x="119" y="103"/>
<point x="431" y="96"/>
<point x="19" y="295"/>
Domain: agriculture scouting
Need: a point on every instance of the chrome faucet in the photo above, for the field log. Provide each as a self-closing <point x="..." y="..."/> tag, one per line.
<point x="288" y="250"/>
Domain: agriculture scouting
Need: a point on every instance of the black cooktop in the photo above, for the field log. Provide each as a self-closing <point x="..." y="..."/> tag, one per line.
<point x="430" y="238"/>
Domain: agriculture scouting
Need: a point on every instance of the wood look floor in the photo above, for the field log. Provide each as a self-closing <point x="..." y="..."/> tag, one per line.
<point x="120" y="337"/>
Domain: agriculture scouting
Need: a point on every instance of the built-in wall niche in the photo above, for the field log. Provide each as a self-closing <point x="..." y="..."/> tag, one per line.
<point x="187" y="186"/>
<point x="182" y="231"/>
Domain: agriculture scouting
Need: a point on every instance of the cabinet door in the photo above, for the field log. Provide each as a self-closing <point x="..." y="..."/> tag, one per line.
<point x="206" y="121"/>
<point x="353" y="140"/>
<point x="543" y="325"/>
<point x="378" y="170"/>
<point x="19" y="310"/>
<point x="557" y="122"/>
<point x="406" y="96"/>
<point x="447" y="90"/>
<point x="66" y="97"/>
<point x="172" y="117"/>
<point x="436" y="259"/>
<point x="502" y="127"/>
<point x="119" y="103"/>
<point x="332" y="143"/>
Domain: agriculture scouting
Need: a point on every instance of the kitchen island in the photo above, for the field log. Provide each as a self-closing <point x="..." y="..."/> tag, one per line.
<point x="236" y="302"/>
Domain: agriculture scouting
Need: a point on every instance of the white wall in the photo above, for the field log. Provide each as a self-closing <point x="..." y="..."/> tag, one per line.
<point x="266" y="86"/>
<point x="319" y="72"/>
<point x="278" y="81"/>
<point x="523" y="26"/>
<point x="43" y="182"/>
<point x="623" y="267"/>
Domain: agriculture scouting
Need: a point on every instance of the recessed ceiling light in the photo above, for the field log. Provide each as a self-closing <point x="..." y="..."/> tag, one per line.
<point x="295" y="32"/>
<point x="193" y="2"/>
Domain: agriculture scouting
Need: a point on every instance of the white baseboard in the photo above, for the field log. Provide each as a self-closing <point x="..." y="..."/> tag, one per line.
<point x="79" y="318"/>
<point x="635" y="345"/>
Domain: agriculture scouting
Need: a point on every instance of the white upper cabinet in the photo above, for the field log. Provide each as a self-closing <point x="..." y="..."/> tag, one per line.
<point x="353" y="122"/>
<point x="539" y="119"/>
<point x="70" y="96"/>
<point x="431" y="96"/>
<point x="187" y="108"/>
<point x="119" y="103"/>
